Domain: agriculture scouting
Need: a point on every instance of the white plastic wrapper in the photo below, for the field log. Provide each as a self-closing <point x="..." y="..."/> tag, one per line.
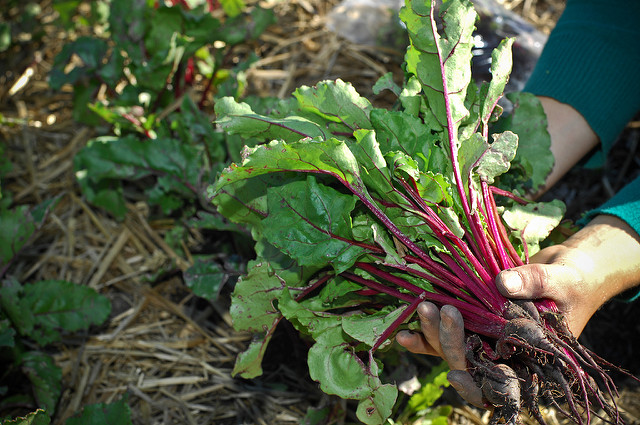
<point x="367" y="22"/>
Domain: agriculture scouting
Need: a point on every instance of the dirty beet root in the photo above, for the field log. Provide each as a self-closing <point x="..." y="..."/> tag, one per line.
<point x="537" y="358"/>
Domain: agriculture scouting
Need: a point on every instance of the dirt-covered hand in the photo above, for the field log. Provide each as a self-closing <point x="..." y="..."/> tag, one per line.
<point x="443" y="335"/>
<point x="581" y="274"/>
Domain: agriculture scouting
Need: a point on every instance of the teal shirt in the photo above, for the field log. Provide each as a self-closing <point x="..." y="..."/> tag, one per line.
<point x="592" y="62"/>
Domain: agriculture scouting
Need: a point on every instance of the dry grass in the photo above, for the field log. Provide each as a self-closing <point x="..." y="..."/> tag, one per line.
<point x="172" y="353"/>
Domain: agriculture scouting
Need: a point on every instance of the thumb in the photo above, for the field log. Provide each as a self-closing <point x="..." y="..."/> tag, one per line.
<point x="535" y="281"/>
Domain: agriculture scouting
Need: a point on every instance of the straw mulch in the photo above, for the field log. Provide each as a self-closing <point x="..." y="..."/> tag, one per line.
<point x="171" y="352"/>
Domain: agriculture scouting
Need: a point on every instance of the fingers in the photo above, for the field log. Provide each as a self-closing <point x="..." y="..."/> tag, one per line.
<point x="415" y="343"/>
<point x="452" y="337"/>
<point x="464" y="384"/>
<point x="430" y="325"/>
<point x="426" y="342"/>
<point x="442" y="335"/>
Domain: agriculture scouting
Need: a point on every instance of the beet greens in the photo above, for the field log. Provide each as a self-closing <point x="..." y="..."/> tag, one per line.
<point x="361" y="213"/>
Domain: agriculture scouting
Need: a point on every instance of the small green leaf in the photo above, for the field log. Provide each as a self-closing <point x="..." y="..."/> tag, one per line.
<point x="232" y="7"/>
<point x="334" y="363"/>
<point x="386" y="83"/>
<point x="375" y="409"/>
<point x="336" y="101"/>
<point x="18" y="225"/>
<point x="249" y="363"/>
<point x="115" y="413"/>
<point x="58" y="306"/>
<point x="239" y="118"/>
<point x="204" y="277"/>
<point x="252" y="302"/>
<point x="501" y="63"/>
<point x="369" y="327"/>
<point x="5" y="36"/>
<point x="45" y="378"/>
<point x="497" y="158"/>
<point x="7" y="333"/>
<point x="533" y="222"/>
<point x="10" y="300"/>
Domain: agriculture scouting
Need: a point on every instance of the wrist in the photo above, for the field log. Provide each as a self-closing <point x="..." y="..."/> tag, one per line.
<point x="608" y="252"/>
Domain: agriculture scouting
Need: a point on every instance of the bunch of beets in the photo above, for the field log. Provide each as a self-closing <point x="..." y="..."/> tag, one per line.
<point x="361" y="213"/>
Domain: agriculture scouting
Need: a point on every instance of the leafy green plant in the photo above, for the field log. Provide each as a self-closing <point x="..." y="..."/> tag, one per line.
<point x="149" y="57"/>
<point x="33" y="315"/>
<point x="361" y="213"/>
<point x="156" y="66"/>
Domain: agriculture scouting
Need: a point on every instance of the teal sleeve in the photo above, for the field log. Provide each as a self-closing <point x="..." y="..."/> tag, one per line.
<point x="591" y="61"/>
<point x="625" y="205"/>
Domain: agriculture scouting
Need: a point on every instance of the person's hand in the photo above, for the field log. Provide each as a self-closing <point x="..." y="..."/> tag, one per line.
<point x="580" y="275"/>
<point x="443" y="336"/>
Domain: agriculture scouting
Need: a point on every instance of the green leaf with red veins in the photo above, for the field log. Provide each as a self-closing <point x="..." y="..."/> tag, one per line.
<point x="336" y="101"/>
<point x="435" y="188"/>
<point x="373" y="166"/>
<point x="239" y="118"/>
<point x="331" y="157"/>
<point x="312" y="224"/>
<point x="367" y="328"/>
<point x="252" y="302"/>
<point x="308" y="321"/>
<point x="433" y="58"/>
<point x="245" y="201"/>
<point x="399" y="131"/>
<point x="284" y="266"/>
<point x="338" y="292"/>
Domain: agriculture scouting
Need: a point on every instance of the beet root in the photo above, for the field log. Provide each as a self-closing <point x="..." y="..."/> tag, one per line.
<point x="538" y="358"/>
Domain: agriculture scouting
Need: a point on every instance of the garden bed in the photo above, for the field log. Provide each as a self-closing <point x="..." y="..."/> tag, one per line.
<point x="173" y="352"/>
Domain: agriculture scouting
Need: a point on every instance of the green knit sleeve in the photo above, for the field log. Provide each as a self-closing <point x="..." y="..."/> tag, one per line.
<point x="591" y="61"/>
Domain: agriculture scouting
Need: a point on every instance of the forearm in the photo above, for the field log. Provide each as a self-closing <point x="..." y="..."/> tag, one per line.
<point x="571" y="138"/>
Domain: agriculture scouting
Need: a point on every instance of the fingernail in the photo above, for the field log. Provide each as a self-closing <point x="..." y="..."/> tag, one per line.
<point x="456" y="385"/>
<point x="512" y="282"/>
